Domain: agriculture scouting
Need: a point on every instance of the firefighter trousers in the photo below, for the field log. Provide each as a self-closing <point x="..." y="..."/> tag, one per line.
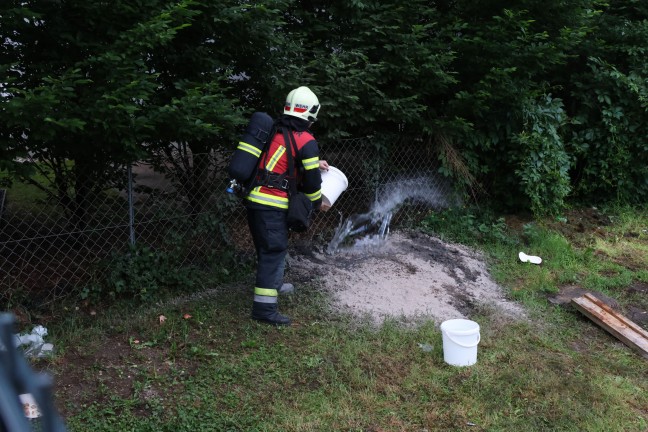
<point x="270" y="236"/>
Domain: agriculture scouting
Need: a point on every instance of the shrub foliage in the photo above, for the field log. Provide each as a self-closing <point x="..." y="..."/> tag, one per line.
<point x="545" y="102"/>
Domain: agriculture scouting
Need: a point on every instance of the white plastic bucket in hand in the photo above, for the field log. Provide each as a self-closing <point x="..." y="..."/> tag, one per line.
<point x="334" y="182"/>
<point x="460" y="340"/>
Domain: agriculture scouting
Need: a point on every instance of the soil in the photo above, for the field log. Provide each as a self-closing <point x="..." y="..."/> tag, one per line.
<point x="407" y="276"/>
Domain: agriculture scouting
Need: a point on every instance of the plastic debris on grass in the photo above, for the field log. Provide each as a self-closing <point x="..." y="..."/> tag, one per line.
<point x="33" y="344"/>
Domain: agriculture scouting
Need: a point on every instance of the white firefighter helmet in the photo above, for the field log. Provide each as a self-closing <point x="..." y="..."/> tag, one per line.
<point x="302" y="103"/>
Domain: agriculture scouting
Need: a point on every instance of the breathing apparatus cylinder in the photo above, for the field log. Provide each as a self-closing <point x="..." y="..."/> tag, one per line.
<point x="245" y="159"/>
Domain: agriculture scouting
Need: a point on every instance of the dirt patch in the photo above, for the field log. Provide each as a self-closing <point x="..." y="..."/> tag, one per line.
<point x="114" y="368"/>
<point x="637" y="309"/>
<point x="408" y="276"/>
<point x="569" y="292"/>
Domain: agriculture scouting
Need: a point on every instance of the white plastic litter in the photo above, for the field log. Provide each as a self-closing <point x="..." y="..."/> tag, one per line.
<point x="426" y="347"/>
<point x="33" y="343"/>
<point x="29" y="406"/>
<point x="530" y="258"/>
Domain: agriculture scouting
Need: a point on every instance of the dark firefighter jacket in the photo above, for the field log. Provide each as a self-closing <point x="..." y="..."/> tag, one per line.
<point x="275" y="161"/>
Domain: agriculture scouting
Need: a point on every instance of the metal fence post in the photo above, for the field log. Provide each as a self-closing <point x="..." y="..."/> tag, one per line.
<point x="131" y="211"/>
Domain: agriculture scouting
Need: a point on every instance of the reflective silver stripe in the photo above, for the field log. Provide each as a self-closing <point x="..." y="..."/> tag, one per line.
<point x="275" y="158"/>
<point x="311" y="163"/>
<point x="249" y="148"/>
<point x="315" y="195"/>
<point x="265" y="299"/>
<point x="271" y="200"/>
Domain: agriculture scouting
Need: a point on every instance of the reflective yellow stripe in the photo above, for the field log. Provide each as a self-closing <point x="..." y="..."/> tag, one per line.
<point x="266" y="199"/>
<point x="311" y="163"/>
<point x="265" y="292"/>
<point x="249" y="148"/>
<point x="267" y="202"/>
<point x="315" y="195"/>
<point x="275" y="158"/>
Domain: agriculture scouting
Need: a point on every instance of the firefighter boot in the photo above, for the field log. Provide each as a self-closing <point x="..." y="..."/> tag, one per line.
<point x="287" y="288"/>
<point x="267" y="313"/>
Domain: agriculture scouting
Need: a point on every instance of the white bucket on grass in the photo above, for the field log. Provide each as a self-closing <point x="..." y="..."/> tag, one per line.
<point x="460" y="340"/>
<point x="334" y="182"/>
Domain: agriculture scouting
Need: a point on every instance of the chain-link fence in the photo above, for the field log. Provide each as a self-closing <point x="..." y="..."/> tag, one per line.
<point x="175" y="210"/>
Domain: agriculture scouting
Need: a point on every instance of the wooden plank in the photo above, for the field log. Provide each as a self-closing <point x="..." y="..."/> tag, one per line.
<point x="632" y="325"/>
<point x="621" y="327"/>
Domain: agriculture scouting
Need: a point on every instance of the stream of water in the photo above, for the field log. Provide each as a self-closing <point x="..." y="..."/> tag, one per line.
<point x="372" y="228"/>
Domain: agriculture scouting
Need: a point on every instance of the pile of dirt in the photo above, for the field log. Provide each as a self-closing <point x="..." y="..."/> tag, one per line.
<point x="408" y="276"/>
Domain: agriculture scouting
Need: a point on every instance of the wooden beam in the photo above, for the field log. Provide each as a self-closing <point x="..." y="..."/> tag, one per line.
<point x="621" y="327"/>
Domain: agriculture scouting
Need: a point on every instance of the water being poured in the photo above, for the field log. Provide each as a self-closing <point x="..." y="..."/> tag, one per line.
<point x="361" y="231"/>
<point x="372" y="228"/>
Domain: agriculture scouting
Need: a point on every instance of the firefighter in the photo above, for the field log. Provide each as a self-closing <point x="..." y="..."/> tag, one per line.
<point x="267" y="200"/>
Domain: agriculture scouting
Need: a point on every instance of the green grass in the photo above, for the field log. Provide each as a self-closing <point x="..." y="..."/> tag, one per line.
<point x="25" y="198"/>
<point x="219" y="371"/>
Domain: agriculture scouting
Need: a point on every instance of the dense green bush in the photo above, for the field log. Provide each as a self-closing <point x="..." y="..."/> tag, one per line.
<point x="543" y="168"/>
<point x="141" y="274"/>
<point x="545" y="102"/>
